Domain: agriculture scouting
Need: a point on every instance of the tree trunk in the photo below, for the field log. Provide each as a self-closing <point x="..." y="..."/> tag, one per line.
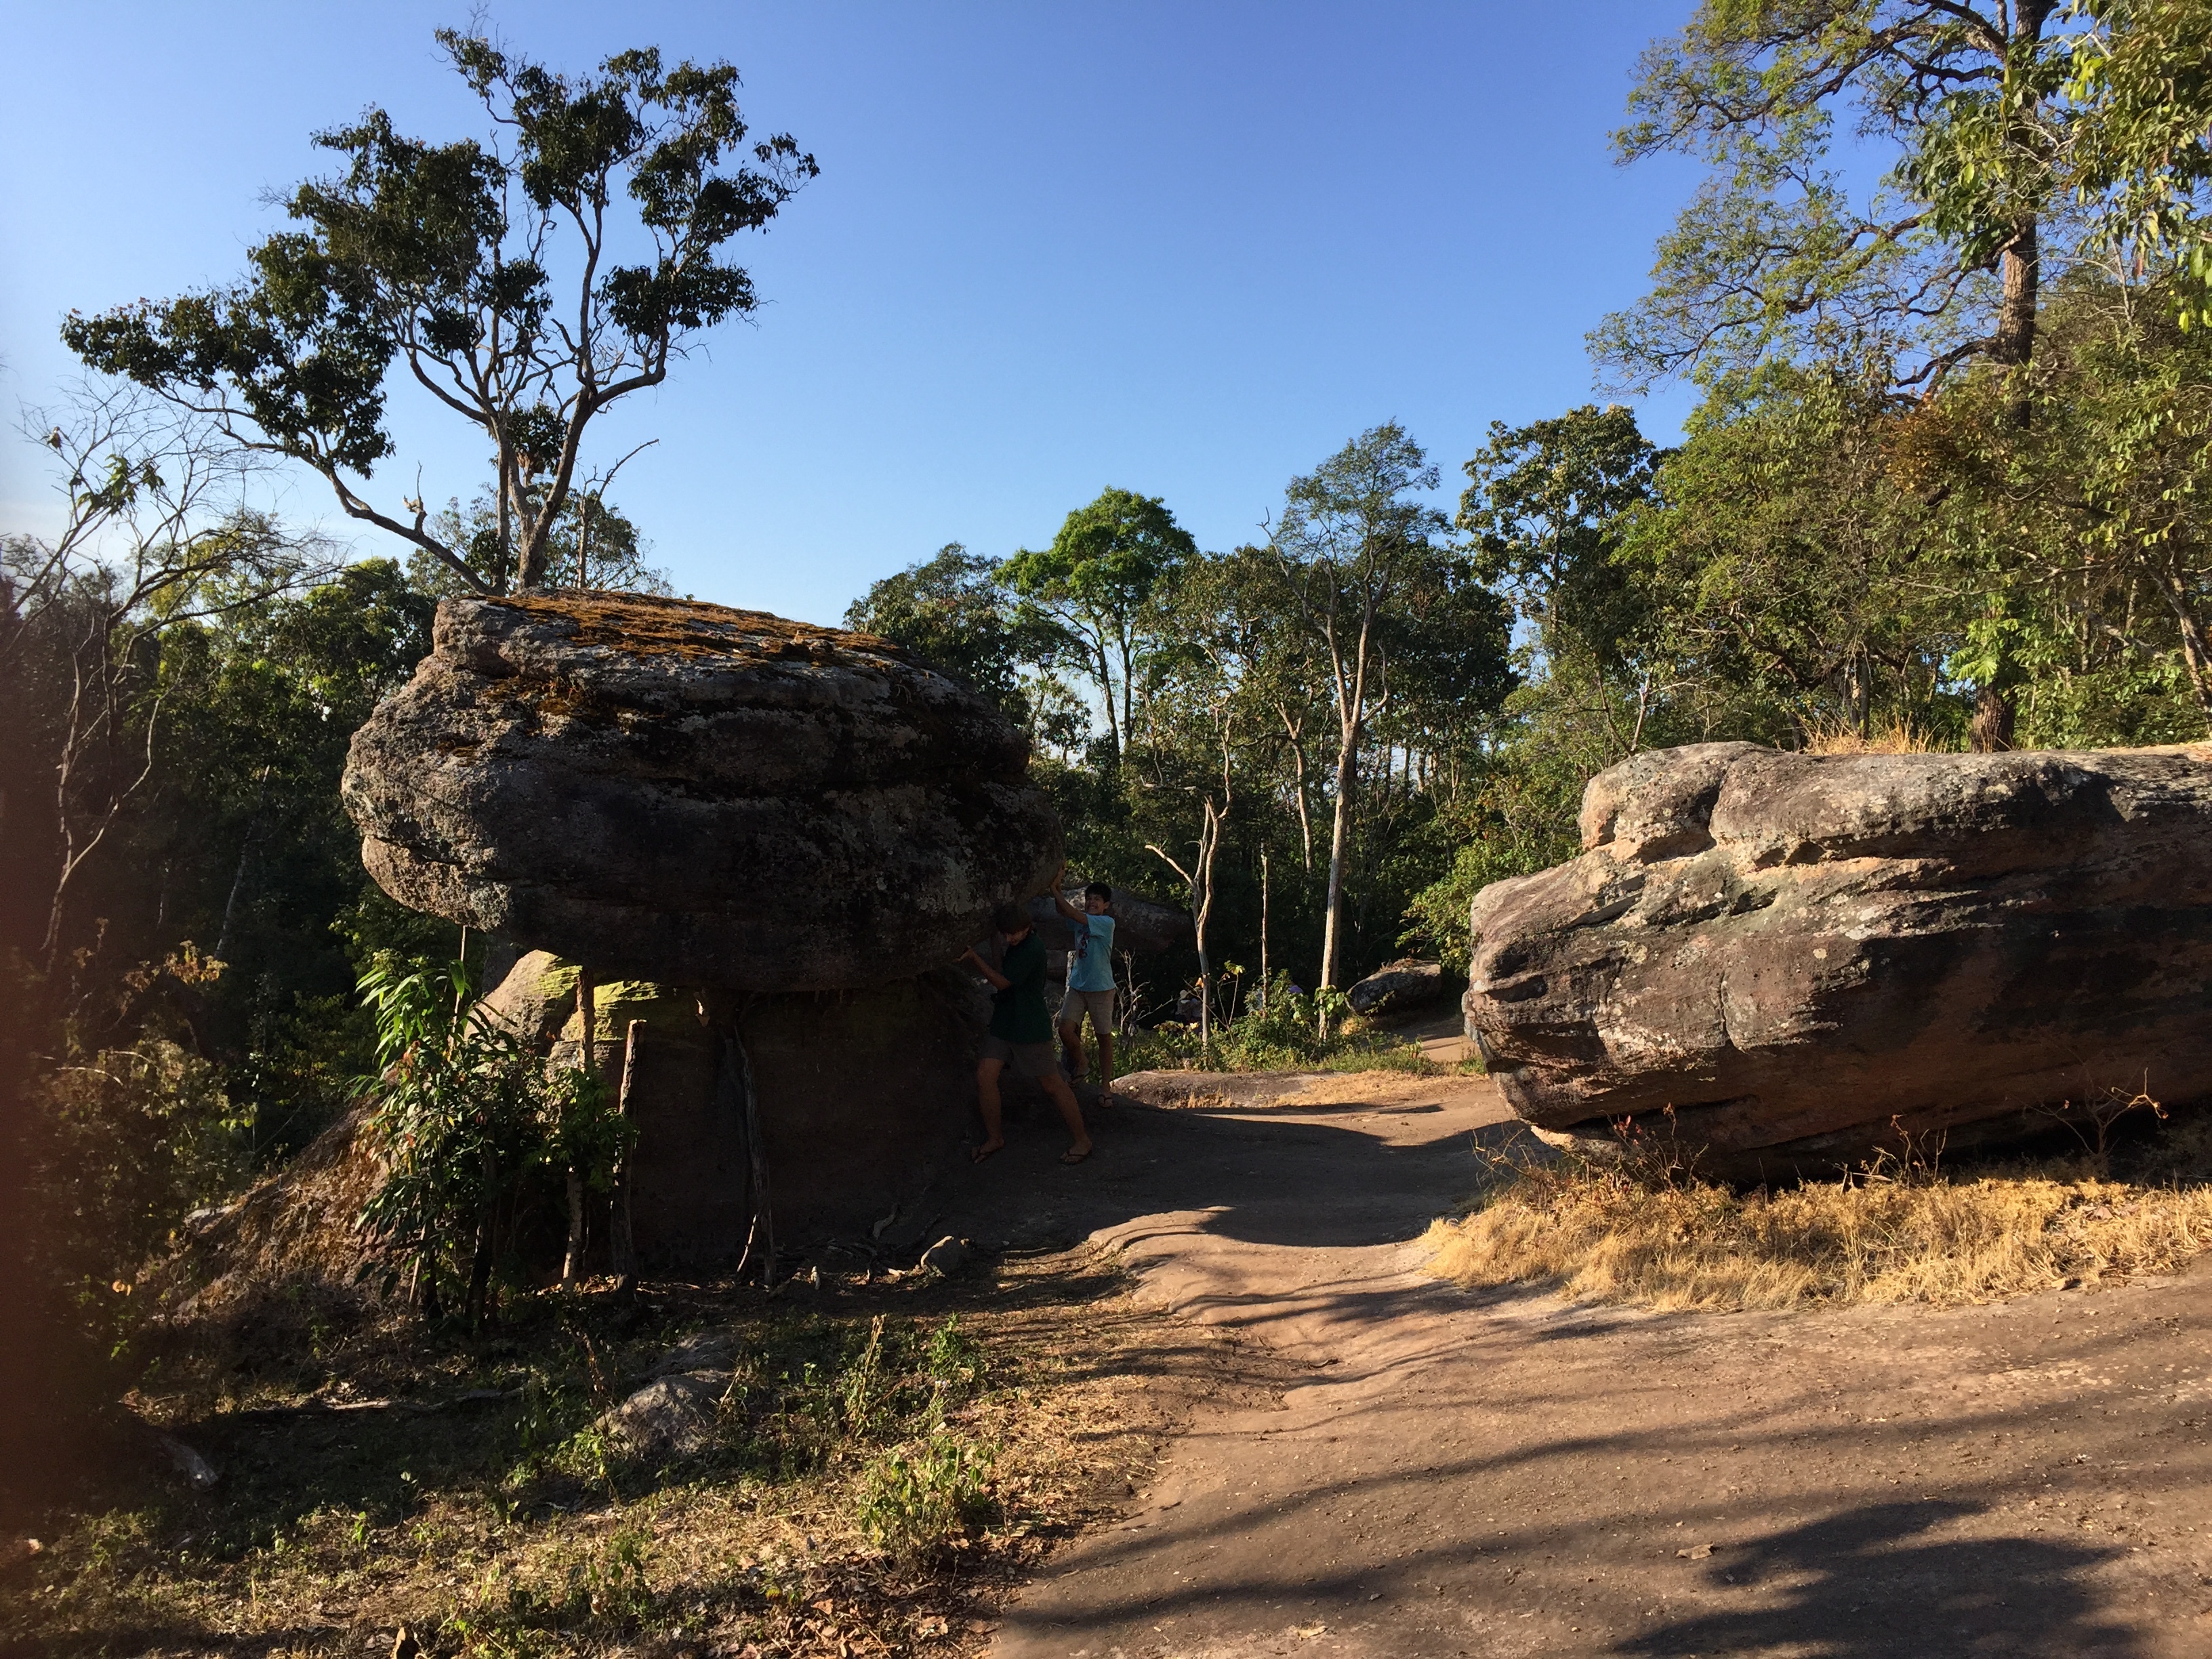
<point x="1991" y="732"/>
<point x="2196" y="646"/>
<point x="571" y="1259"/>
<point x="1202" y="912"/>
<point x="1129" y="695"/>
<point x="2019" y="263"/>
<point x="480" y="1269"/>
<point x="1114" y="736"/>
<point x="1858" y="691"/>
<point x="1298" y="780"/>
<point x="1347" y="772"/>
<point x="622" y="1244"/>
<point x="1263" y="929"/>
<point x="504" y="574"/>
<point x="2018" y="268"/>
<point x="237" y="878"/>
<point x="763" y="1205"/>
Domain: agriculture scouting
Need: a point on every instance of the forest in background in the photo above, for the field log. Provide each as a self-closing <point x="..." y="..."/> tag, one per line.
<point x="1947" y="487"/>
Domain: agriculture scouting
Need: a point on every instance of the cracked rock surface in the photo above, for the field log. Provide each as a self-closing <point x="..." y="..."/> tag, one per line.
<point x="1786" y="960"/>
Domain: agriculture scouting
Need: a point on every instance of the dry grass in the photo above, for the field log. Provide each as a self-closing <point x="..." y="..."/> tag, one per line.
<point x="1838" y="737"/>
<point x="1887" y="1234"/>
<point x="397" y="1493"/>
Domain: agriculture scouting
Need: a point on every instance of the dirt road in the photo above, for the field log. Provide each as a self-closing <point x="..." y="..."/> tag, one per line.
<point x="1507" y="1475"/>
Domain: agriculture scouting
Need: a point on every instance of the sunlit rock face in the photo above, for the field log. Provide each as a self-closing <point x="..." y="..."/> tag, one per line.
<point x="681" y="791"/>
<point x="1782" y="962"/>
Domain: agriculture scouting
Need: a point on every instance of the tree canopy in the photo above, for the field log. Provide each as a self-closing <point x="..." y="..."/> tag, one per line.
<point x="447" y="262"/>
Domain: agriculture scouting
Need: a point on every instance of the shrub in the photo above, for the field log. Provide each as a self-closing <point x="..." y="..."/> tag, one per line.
<point x="1279" y="1032"/>
<point x="914" y="1505"/>
<point x="464" y="1113"/>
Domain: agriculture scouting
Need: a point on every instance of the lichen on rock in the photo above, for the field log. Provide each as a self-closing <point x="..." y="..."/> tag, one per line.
<point x="681" y="791"/>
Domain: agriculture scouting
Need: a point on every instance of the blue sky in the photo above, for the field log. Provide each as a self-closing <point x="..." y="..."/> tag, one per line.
<point x="1184" y="249"/>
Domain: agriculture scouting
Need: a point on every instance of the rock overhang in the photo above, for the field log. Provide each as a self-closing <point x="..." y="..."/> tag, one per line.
<point x="684" y="792"/>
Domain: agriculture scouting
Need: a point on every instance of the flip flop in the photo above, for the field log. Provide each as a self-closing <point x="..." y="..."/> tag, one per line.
<point x="977" y="1154"/>
<point x="1072" y="1156"/>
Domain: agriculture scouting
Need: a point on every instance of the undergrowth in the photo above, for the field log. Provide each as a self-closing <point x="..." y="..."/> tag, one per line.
<point x="883" y="1459"/>
<point x="1906" y="1229"/>
<point x="1280" y="1033"/>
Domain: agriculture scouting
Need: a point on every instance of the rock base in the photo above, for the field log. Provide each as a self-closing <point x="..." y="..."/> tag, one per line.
<point x="860" y="1097"/>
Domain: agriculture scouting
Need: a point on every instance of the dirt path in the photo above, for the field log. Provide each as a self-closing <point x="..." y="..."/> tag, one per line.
<point x="1507" y="1475"/>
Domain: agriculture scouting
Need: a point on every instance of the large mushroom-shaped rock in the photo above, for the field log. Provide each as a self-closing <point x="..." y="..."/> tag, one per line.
<point x="681" y="792"/>
<point x="1782" y="962"/>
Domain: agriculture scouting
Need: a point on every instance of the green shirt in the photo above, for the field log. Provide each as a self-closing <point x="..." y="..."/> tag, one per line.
<point x="1019" y="1014"/>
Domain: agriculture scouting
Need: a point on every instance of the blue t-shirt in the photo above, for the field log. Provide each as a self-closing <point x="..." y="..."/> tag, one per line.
<point x="1091" y="967"/>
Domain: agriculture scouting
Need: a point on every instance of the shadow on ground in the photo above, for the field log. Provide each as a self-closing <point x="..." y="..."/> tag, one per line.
<point x="1868" y="1584"/>
<point x="1332" y="1176"/>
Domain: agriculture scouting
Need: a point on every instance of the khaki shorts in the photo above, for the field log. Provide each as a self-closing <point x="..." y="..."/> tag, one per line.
<point x="1028" y="1058"/>
<point x="1098" y="1004"/>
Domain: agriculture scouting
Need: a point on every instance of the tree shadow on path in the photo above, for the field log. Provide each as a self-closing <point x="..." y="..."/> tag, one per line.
<point x="1266" y="1177"/>
<point x="1868" y="1584"/>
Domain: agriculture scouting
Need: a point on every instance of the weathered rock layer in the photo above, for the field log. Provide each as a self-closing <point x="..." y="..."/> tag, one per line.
<point x="1787" y="960"/>
<point x="681" y="791"/>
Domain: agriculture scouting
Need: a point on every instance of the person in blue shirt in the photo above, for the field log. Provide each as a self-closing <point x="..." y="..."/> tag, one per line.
<point x="1089" y="979"/>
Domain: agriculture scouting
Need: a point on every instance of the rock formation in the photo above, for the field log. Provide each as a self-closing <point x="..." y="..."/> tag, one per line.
<point x="769" y="842"/>
<point x="683" y="792"/>
<point x="861" y="1096"/>
<point x="1397" y="987"/>
<point x="1782" y="962"/>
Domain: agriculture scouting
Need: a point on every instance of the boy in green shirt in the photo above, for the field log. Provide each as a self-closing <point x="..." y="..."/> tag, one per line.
<point x="1021" y="1031"/>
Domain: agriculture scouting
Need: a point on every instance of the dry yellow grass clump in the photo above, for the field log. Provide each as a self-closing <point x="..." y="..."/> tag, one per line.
<point x="1836" y="736"/>
<point x="1891" y="1233"/>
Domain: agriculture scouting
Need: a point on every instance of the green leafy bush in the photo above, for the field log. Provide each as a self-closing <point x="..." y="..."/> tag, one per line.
<point x="1278" y="1032"/>
<point x="917" y="1504"/>
<point x="465" y="1115"/>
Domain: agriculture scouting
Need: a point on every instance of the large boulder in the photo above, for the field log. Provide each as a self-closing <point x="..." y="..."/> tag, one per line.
<point x="1397" y="987"/>
<point x="1143" y="925"/>
<point x="681" y="791"/>
<point x="1782" y="962"/>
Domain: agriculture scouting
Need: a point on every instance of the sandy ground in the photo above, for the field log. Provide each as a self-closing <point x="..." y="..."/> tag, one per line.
<point x="1505" y="1474"/>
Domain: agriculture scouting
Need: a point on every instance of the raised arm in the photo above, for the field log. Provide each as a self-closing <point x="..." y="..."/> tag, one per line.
<point x="1060" y="896"/>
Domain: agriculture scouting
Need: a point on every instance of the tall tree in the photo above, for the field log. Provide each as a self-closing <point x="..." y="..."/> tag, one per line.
<point x="1775" y="255"/>
<point x="1788" y="573"/>
<point x="1352" y="541"/>
<point x="952" y="608"/>
<point x="1544" y="503"/>
<point x="1095" y="583"/>
<point x="447" y="261"/>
